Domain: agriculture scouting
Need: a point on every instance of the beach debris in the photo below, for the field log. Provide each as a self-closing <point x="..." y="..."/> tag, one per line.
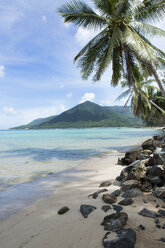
<point x="162" y="212"/>
<point x="125" y="238"/>
<point x="105" y="208"/>
<point x="86" y="210"/>
<point x="117" y="208"/>
<point x="129" y="185"/>
<point x="148" y="213"/>
<point x="141" y="227"/>
<point x="105" y="184"/>
<point x="116" y="192"/>
<point x="126" y="202"/>
<point x="63" y="210"/>
<point x="114" y="222"/>
<point x="95" y="195"/>
<point x="107" y="198"/>
<point x="132" y="193"/>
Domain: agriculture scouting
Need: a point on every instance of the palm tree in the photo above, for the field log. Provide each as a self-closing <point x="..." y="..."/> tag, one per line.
<point x="144" y="98"/>
<point x="122" y="25"/>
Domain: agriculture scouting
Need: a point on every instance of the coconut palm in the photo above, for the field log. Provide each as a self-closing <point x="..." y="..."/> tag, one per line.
<point x="144" y="98"/>
<point x="123" y="27"/>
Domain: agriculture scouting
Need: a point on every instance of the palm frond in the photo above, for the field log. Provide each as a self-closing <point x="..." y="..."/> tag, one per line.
<point x="106" y="7"/>
<point x="147" y="29"/>
<point x="135" y="43"/>
<point x="104" y="60"/>
<point x="151" y="11"/>
<point x="81" y="14"/>
<point x="123" y="95"/>
<point x="117" y="66"/>
<point x="91" y="43"/>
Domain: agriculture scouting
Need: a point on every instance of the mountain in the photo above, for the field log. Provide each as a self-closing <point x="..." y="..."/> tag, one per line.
<point x="87" y="114"/>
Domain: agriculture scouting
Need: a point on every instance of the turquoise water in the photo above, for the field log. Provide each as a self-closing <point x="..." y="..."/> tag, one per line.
<point x="31" y="154"/>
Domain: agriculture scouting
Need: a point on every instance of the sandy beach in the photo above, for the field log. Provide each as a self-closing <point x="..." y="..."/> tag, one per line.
<point x="40" y="226"/>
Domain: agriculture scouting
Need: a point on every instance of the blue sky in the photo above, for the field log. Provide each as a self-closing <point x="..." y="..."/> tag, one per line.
<point x="37" y="74"/>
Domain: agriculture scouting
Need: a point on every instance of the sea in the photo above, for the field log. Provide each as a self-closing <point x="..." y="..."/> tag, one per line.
<point x="30" y="158"/>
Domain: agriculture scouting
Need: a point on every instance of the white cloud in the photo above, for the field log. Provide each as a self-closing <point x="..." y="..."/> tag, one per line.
<point x="9" y="111"/>
<point x="69" y="95"/>
<point x="87" y="97"/>
<point x="67" y="25"/>
<point x="84" y="35"/>
<point x="44" y="19"/>
<point x="106" y="102"/>
<point x="2" y="71"/>
<point x="12" y="118"/>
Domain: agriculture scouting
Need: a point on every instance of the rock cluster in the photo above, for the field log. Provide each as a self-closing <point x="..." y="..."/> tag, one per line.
<point x="145" y="168"/>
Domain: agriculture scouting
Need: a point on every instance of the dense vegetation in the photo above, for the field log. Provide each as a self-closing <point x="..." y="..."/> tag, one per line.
<point x="88" y="114"/>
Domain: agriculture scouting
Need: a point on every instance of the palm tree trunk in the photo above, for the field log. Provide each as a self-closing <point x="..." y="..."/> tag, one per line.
<point x="156" y="106"/>
<point x="158" y="79"/>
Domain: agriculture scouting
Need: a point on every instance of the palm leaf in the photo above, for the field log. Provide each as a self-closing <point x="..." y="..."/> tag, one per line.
<point x="81" y="14"/>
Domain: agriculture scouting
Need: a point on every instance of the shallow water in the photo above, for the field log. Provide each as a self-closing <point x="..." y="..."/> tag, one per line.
<point x="27" y="155"/>
<point x="34" y="163"/>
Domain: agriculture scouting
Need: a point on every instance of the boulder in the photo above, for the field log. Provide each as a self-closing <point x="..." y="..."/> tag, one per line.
<point x="114" y="222"/>
<point x="129" y="185"/>
<point x="150" y="144"/>
<point x="130" y="157"/>
<point x="117" y="208"/>
<point x="160" y="192"/>
<point x="63" y="210"/>
<point x="95" y="195"/>
<point x="125" y="238"/>
<point x="105" y="184"/>
<point x="86" y="210"/>
<point x="125" y="173"/>
<point x="105" y="208"/>
<point x="107" y="198"/>
<point x="126" y="202"/>
<point x="162" y="212"/>
<point x="148" y="213"/>
<point x="132" y="193"/>
<point x="116" y="192"/>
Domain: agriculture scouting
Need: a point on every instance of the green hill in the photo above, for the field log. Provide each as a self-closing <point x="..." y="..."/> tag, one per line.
<point x="87" y="114"/>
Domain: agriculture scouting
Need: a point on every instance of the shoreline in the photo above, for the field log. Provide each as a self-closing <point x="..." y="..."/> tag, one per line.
<point x="40" y="226"/>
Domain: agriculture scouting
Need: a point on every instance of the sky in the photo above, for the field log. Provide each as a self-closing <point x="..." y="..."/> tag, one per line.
<point x="37" y="75"/>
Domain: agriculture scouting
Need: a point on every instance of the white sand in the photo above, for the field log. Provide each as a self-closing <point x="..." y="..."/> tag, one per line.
<point x="39" y="226"/>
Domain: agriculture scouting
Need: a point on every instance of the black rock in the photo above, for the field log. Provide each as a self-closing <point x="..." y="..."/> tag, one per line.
<point x="119" y="178"/>
<point x="117" y="208"/>
<point x="105" y="184"/>
<point x="148" y="213"/>
<point x="114" y="222"/>
<point x="163" y="226"/>
<point x="126" y="202"/>
<point x="95" y="195"/>
<point x="132" y="193"/>
<point x="116" y="192"/>
<point x="157" y="222"/>
<point x="63" y="210"/>
<point x="86" y="210"/>
<point x="162" y="240"/>
<point x="162" y="212"/>
<point x="157" y="206"/>
<point x="141" y="227"/>
<point x="145" y="201"/>
<point x="105" y="208"/>
<point x="107" y="198"/>
<point x="125" y="238"/>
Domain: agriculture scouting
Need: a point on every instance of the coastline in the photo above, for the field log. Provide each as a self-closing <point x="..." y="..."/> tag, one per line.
<point x="40" y="226"/>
